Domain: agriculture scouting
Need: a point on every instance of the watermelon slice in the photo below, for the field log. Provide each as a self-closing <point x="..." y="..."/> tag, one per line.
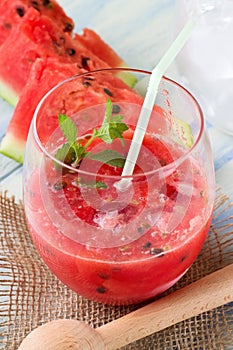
<point x="12" y="12"/>
<point x="45" y="73"/>
<point x="37" y="36"/>
<point x="101" y="49"/>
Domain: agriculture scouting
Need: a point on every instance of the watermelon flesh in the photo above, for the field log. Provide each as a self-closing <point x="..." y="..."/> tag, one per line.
<point x="101" y="49"/>
<point x="44" y="74"/>
<point x="38" y="37"/>
<point x="12" y="12"/>
<point x="94" y="43"/>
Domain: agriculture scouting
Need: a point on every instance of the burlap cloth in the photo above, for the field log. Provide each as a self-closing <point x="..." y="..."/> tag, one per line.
<point x="30" y="295"/>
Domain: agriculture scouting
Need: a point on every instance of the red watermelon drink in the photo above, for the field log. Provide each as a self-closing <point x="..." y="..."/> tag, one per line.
<point x="109" y="245"/>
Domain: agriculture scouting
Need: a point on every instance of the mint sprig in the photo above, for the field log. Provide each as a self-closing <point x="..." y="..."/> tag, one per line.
<point x="72" y="152"/>
<point x="112" y="126"/>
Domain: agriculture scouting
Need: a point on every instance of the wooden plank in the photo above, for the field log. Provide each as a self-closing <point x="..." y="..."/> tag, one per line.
<point x="7" y="167"/>
<point x="13" y="184"/>
<point x="6" y="112"/>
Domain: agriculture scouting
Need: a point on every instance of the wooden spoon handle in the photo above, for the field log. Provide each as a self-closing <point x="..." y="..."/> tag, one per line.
<point x="205" y="294"/>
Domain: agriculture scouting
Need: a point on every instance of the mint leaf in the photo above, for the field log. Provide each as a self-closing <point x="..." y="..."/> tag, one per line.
<point x="109" y="157"/>
<point x="100" y="184"/>
<point x="108" y="111"/>
<point x="117" y="162"/>
<point x="105" y="136"/>
<point x="112" y="126"/>
<point x="103" y="133"/>
<point x="74" y="151"/>
<point x="68" y="128"/>
<point x="117" y="128"/>
<point x="92" y="184"/>
<point x="65" y="154"/>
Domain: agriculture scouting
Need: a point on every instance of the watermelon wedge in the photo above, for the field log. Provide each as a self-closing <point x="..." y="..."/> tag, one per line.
<point x="12" y="12"/>
<point x="45" y="73"/>
<point x="37" y="36"/>
<point x="92" y="41"/>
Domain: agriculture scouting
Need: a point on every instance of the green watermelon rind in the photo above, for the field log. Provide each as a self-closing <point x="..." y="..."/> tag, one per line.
<point x="13" y="148"/>
<point x="8" y="94"/>
<point x="182" y="132"/>
<point x="128" y="78"/>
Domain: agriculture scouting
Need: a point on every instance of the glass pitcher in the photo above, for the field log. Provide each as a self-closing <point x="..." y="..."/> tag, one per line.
<point x="205" y="65"/>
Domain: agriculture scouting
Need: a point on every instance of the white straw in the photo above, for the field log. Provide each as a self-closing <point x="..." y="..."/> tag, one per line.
<point x="149" y="101"/>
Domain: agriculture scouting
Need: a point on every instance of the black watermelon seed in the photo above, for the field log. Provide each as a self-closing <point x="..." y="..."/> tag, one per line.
<point x="36" y="5"/>
<point x="46" y="2"/>
<point x="101" y="290"/>
<point x="108" y="92"/>
<point x="68" y="27"/>
<point x="147" y="245"/>
<point x="157" y="251"/>
<point x="162" y="162"/>
<point x="140" y="229"/>
<point x="84" y="62"/>
<point x="86" y="83"/>
<point x="20" y="11"/>
<point x="116" y="109"/>
<point x="70" y="52"/>
<point x="60" y="185"/>
<point x="103" y="275"/>
<point x="183" y="258"/>
<point x="62" y="39"/>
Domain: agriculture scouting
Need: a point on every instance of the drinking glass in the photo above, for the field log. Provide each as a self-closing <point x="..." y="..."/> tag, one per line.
<point x="112" y="245"/>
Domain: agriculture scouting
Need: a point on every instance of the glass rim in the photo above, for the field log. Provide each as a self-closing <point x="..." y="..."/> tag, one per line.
<point x="166" y="167"/>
